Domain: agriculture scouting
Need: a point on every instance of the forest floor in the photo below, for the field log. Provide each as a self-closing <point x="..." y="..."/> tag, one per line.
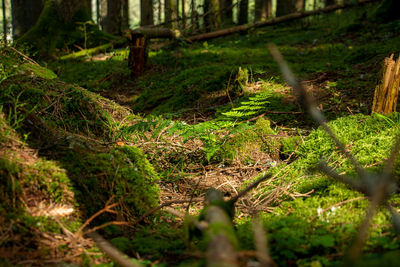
<point x="212" y="114"/>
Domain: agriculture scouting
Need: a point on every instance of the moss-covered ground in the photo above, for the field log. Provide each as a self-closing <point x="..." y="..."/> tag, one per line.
<point x="212" y="114"/>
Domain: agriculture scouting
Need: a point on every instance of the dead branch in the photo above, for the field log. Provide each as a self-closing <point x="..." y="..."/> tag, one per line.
<point x="165" y="204"/>
<point x="114" y="254"/>
<point x="274" y="21"/>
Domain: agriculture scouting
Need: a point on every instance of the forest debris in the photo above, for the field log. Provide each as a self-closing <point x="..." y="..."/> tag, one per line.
<point x="387" y="91"/>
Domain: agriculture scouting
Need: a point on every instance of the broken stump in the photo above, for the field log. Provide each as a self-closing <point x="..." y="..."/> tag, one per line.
<point x="387" y="91"/>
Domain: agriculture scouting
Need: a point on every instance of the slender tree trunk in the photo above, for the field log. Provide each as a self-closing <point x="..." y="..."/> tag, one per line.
<point x="226" y="12"/>
<point x="211" y="16"/>
<point x="125" y="14"/>
<point x="243" y="15"/>
<point x="183" y="6"/>
<point x="4" y="21"/>
<point x="170" y="13"/>
<point x="194" y="20"/>
<point x="330" y="2"/>
<point x="98" y="12"/>
<point x="113" y="21"/>
<point x="146" y="13"/>
<point x="285" y="7"/>
<point x="263" y="9"/>
<point x="159" y="11"/>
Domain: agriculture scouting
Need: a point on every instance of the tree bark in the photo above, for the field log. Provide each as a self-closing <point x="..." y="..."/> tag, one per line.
<point x="125" y="14"/>
<point x="24" y="13"/>
<point x="170" y="13"/>
<point x="226" y="12"/>
<point x="113" y="20"/>
<point x="146" y="13"/>
<point x="263" y="9"/>
<point x="285" y="7"/>
<point x="243" y="15"/>
<point x="211" y="15"/>
<point x="4" y="21"/>
<point x="300" y="5"/>
<point x="60" y="26"/>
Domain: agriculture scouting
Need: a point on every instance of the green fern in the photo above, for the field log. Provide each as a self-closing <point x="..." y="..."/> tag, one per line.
<point x="256" y="105"/>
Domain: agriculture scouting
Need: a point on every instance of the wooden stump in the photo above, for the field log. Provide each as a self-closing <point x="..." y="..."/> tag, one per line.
<point x="137" y="53"/>
<point x="387" y="91"/>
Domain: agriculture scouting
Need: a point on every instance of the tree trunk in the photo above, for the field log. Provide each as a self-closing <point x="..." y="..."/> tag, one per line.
<point x="211" y="16"/>
<point x="113" y="20"/>
<point x="330" y="2"/>
<point x="60" y="26"/>
<point x="285" y="7"/>
<point x="4" y="21"/>
<point x="125" y="14"/>
<point x="24" y="15"/>
<point x="89" y="6"/>
<point x="146" y="13"/>
<point x="243" y="15"/>
<point x="263" y="9"/>
<point x="194" y="20"/>
<point x="170" y="13"/>
<point x="226" y="12"/>
<point x="300" y="5"/>
<point x="183" y="6"/>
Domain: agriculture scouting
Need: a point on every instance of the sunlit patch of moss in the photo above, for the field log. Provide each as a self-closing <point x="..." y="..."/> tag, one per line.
<point x="37" y="70"/>
<point x="250" y="143"/>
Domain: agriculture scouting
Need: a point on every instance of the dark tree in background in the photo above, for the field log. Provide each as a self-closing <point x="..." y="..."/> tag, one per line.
<point x="3" y="5"/>
<point x="243" y="14"/>
<point x="170" y="13"/>
<point x="24" y="13"/>
<point x="211" y="15"/>
<point x="262" y="10"/>
<point x="125" y="14"/>
<point x="330" y="2"/>
<point x="60" y="26"/>
<point x="285" y="7"/>
<point x="226" y="12"/>
<point x="112" y="22"/>
<point x="146" y="13"/>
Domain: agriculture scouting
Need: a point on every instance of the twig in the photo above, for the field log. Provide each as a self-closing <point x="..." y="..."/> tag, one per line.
<point x="114" y="254"/>
<point x="248" y="188"/>
<point x="107" y="208"/>
<point x="227" y="88"/>
<point x="165" y="204"/>
<point x="24" y="56"/>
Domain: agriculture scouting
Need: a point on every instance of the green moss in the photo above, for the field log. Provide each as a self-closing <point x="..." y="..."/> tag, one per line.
<point x="50" y="32"/>
<point x="122" y="172"/>
<point x="37" y="70"/>
<point x="248" y="144"/>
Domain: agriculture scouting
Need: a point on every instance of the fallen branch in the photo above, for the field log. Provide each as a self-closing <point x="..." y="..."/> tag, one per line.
<point x="274" y="21"/>
<point x="114" y="254"/>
